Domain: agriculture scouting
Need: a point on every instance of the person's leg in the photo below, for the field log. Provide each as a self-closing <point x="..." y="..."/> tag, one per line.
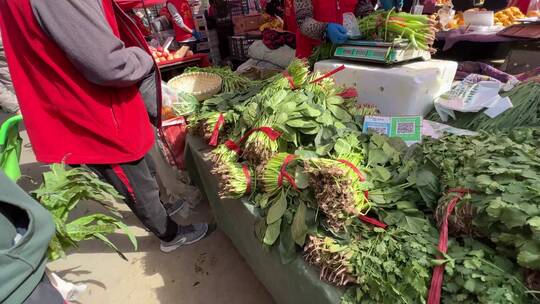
<point x="141" y="192"/>
<point x="136" y="183"/>
<point x="172" y="206"/>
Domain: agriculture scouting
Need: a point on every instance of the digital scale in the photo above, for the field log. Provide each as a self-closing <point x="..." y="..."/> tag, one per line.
<point x="379" y="52"/>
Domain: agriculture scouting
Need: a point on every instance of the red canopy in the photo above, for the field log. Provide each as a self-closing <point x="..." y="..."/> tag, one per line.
<point x="129" y="4"/>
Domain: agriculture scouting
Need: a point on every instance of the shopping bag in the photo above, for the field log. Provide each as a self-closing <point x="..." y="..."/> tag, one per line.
<point x="173" y="140"/>
<point x="10" y="147"/>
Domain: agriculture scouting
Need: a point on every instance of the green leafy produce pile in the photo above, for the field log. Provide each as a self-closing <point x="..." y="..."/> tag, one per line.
<point x="502" y="172"/>
<point x="326" y="190"/>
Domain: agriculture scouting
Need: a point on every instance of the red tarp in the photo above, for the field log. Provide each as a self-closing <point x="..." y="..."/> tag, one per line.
<point x="129" y="4"/>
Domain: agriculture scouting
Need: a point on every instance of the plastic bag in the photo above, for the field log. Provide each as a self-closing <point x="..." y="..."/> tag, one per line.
<point x="474" y="94"/>
<point x="534" y="9"/>
<point x="168" y="98"/>
<point x="185" y="104"/>
<point x="176" y="103"/>
<point x="350" y="23"/>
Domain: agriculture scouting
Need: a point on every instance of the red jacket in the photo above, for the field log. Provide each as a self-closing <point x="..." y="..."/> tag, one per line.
<point x="328" y="11"/>
<point x="290" y="16"/>
<point x="69" y="118"/>
<point x="184" y="10"/>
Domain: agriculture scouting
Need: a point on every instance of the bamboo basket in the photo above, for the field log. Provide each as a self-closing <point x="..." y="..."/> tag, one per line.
<point x="202" y="85"/>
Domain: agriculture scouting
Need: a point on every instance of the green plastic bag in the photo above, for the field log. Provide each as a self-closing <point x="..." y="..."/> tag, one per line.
<point x="185" y="104"/>
<point x="10" y="147"/>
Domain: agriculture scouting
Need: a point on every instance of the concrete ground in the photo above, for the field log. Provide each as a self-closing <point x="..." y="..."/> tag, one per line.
<point x="210" y="271"/>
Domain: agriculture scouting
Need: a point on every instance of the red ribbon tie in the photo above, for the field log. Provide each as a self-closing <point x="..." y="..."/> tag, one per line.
<point x="215" y="134"/>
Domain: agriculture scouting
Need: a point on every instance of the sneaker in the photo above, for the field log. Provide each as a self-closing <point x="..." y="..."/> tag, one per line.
<point x="186" y="236"/>
<point x="174" y="208"/>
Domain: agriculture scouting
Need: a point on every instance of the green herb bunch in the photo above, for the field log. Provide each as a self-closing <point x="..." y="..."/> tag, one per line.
<point x="475" y="273"/>
<point x="271" y="174"/>
<point x="390" y="266"/>
<point x="339" y="190"/>
<point x="203" y="124"/>
<point x="332" y="258"/>
<point x="234" y="182"/>
<point x="502" y="172"/>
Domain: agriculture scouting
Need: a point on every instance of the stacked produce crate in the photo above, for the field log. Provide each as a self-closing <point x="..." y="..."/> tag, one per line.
<point x="209" y="42"/>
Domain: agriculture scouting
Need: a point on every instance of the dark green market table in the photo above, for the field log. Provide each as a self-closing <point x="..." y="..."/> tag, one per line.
<point x="294" y="283"/>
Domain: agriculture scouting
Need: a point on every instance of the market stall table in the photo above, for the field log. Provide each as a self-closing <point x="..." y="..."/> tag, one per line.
<point x="452" y="37"/>
<point x="293" y="283"/>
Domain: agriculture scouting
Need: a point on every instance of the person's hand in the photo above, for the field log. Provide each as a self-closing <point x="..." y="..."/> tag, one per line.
<point x="197" y="35"/>
<point x="336" y="33"/>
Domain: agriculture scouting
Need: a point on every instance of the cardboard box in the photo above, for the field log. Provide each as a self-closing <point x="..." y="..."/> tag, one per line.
<point x="244" y="24"/>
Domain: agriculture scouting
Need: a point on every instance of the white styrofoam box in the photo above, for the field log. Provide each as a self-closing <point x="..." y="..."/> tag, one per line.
<point x="406" y="89"/>
<point x="483" y="18"/>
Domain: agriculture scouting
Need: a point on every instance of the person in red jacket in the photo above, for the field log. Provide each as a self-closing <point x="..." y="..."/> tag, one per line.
<point x="183" y="22"/>
<point x="82" y="73"/>
<point x="289" y="16"/>
<point x="321" y="19"/>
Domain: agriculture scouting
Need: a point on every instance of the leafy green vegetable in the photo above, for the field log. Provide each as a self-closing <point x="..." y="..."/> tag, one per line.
<point x="319" y="199"/>
<point x="501" y="172"/>
<point x="60" y="194"/>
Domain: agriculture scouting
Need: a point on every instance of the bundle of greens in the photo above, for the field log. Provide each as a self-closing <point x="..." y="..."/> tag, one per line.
<point x="61" y="192"/>
<point x="389" y="266"/>
<point x="287" y="205"/>
<point x="204" y="124"/>
<point x="261" y="144"/>
<point x="235" y="180"/>
<point x="268" y="110"/>
<point x="394" y="266"/>
<point x="394" y="182"/>
<point x="475" y="273"/>
<point x="332" y="258"/>
<point x="339" y="187"/>
<point x="525" y="112"/>
<point x="273" y="178"/>
<point x="232" y="82"/>
<point x="390" y="26"/>
<point x="365" y="110"/>
<point x="222" y="154"/>
<point x="501" y="173"/>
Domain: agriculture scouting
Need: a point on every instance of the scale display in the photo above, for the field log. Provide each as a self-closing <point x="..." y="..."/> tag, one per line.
<point x="378" y="52"/>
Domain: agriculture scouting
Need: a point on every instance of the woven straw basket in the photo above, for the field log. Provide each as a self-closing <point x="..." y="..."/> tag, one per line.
<point x="199" y="84"/>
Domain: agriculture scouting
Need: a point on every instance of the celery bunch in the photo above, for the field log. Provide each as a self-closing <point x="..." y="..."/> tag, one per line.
<point x="419" y="30"/>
